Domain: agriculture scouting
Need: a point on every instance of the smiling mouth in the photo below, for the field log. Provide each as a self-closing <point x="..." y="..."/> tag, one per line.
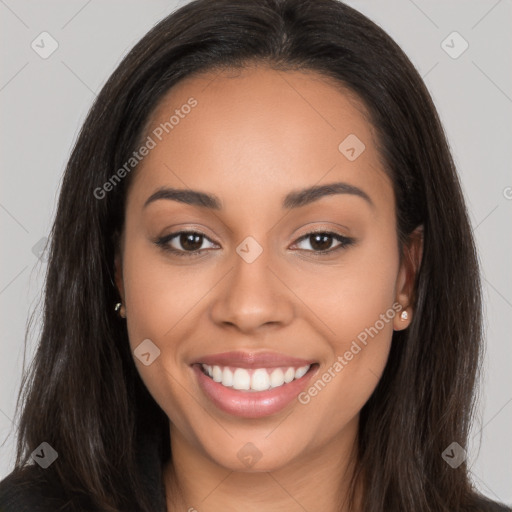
<point x="258" y="379"/>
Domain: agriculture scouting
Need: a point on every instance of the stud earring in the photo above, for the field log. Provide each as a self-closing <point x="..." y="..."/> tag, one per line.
<point x="404" y="315"/>
<point x="120" y="310"/>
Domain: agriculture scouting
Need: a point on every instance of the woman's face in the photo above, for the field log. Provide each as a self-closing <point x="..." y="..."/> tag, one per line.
<point x="264" y="300"/>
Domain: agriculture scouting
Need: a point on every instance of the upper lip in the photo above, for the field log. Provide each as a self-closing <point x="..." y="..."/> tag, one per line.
<point x="241" y="359"/>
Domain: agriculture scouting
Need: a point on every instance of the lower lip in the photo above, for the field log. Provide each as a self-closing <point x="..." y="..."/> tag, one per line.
<point x="251" y="404"/>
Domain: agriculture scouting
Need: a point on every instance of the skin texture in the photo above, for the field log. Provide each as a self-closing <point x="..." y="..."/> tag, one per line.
<point x="254" y="136"/>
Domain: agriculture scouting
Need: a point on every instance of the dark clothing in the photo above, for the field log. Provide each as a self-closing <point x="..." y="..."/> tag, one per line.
<point x="34" y="491"/>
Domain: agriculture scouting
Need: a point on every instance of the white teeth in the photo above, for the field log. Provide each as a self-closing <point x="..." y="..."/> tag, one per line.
<point x="300" y="372"/>
<point x="277" y="378"/>
<point x="241" y="379"/>
<point x="217" y="374"/>
<point x="260" y="379"/>
<point x="227" y="377"/>
<point x="289" y="375"/>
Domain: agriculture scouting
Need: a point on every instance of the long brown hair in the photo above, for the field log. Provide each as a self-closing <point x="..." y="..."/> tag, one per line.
<point x="83" y="394"/>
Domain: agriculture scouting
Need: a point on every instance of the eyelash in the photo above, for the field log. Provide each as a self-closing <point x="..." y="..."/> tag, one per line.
<point x="163" y="242"/>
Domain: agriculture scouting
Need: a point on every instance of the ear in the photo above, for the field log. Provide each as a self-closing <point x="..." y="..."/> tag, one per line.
<point x="412" y="253"/>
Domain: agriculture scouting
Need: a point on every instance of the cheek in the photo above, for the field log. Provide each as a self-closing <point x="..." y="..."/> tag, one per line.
<point x="349" y="297"/>
<point x="161" y="303"/>
<point x="158" y="295"/>
<point x="366" y="292"/>
<point x="355" y="305"/>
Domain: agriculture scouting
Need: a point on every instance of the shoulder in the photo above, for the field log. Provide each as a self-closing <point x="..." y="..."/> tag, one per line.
<point x="21" y="490"/>
<point x="31" y="489"/>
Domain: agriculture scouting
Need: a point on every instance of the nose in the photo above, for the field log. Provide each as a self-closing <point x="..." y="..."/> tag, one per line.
<point x="253" y="296"/>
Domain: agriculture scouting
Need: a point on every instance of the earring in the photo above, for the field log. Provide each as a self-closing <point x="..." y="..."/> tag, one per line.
<point x="120" y="310"/>
<point x="404" y="315"/>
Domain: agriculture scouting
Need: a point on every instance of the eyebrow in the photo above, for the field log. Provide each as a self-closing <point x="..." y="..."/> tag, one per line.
<point x="309" y="195"/>
<point x="295" y="199"/>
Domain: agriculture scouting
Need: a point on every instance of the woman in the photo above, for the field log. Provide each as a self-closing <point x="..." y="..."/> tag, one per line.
<point x="262" y="290"/>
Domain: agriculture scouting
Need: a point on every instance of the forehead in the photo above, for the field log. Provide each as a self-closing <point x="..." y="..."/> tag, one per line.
<point x="261" y="130"/>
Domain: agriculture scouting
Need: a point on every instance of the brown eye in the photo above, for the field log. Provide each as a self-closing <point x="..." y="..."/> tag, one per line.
<point x="190" y="241"/>
<point x="184" y="243"/>
<point x="322" y="242"/>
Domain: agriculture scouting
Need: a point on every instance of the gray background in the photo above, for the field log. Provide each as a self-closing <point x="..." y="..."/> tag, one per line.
<point x="44" y="102"/>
